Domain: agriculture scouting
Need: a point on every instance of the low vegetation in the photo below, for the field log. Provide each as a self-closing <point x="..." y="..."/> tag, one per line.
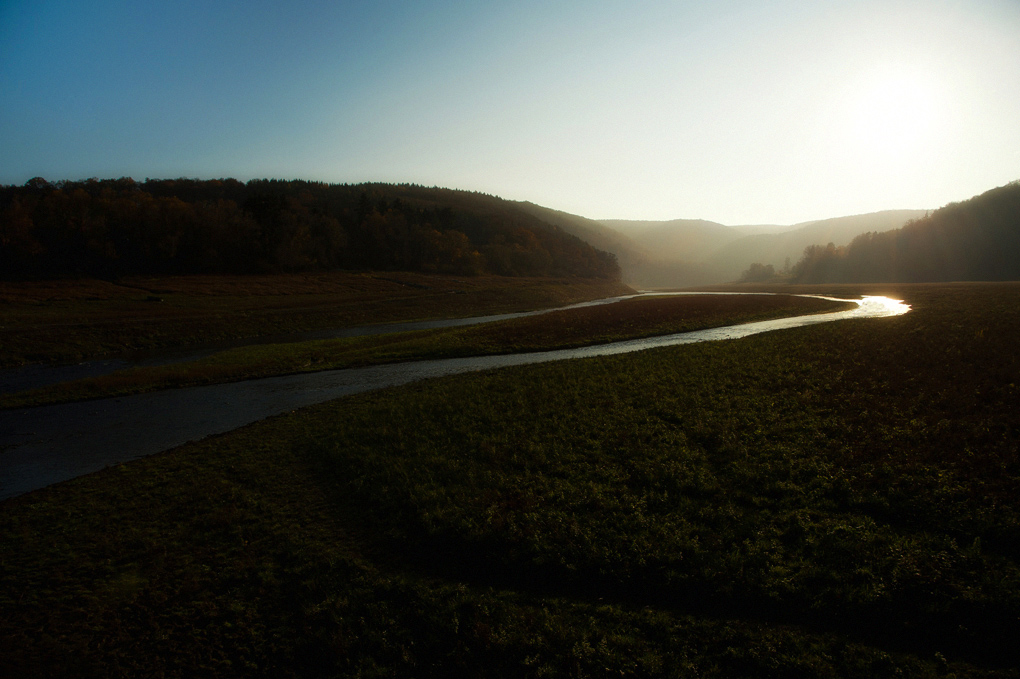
<point x="839" y="500"/>
<point x="555" y="330"/>
<point x="70" y="320"/>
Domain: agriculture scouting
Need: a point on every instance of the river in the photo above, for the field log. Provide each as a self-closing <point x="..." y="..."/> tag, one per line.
<point x="34" y="376"/>
<point x="46" y="445"/>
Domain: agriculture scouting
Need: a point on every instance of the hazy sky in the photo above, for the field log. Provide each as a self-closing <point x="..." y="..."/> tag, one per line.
<point x="736" y="111"/>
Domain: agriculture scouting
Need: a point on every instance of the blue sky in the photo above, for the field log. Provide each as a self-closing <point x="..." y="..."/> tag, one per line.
<point x="736" y="111"/>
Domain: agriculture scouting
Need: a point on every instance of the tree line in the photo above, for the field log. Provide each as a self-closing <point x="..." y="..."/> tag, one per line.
<point x="976" y="239"/>
<point x="108" y="228"/>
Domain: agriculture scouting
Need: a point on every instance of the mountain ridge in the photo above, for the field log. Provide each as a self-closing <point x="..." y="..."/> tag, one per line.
<point x="684" y="252"/>
<point x="112" y="227"/>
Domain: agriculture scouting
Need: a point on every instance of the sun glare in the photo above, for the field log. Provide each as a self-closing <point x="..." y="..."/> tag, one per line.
<point x="889" y="114"/>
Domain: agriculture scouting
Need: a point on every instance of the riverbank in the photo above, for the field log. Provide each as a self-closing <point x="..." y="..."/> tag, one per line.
<point x="834" y="500"/>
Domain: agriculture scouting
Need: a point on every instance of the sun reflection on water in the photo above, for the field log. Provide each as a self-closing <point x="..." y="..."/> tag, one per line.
<point x="875" y="306"/>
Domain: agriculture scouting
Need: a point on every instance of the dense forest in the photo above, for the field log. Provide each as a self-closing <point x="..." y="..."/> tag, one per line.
<point x="973" y="240"/>
<point x="108" y="228"/>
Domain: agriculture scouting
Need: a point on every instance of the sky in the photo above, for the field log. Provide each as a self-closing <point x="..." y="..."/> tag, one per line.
<point x="740" y="112"/>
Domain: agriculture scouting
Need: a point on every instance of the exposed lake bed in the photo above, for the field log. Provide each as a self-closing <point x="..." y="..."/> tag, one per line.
<point x="47" y="444"/>
<point x="835" y="499"/>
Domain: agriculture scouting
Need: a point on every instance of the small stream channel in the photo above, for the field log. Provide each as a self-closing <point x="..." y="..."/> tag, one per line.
<point x="45" y="445"/>
<point x="38" y="375"/>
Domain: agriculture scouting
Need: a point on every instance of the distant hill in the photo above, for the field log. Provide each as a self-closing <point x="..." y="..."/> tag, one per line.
<point x="592" y="232"/>
<point x="684" y="252"/>
<point x="107" y="228"/>
<point x="639" y="257"/>
<point x="689" y="240"/>
<point x="783" y="249"/>
<point x="977" y="239"/>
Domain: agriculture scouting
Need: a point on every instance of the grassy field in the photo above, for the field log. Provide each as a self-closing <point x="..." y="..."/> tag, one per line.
<point x="840" y="500"/>
<point x="64" y="321"/>
<point x="555" y="330"/>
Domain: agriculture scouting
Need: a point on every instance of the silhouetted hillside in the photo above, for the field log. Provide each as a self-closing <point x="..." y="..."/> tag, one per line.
<point x="781" y="250"/>
<point x="642" y="264"/>
<point x="684" y="252"/>
<point x="977" y="239"/>
<point x="113" y="227"/>
<point x="591" y="231"/>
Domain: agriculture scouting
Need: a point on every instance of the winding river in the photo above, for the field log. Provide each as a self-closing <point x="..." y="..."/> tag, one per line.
<point x="45" y="445"/>
<point x="41" y="375"/>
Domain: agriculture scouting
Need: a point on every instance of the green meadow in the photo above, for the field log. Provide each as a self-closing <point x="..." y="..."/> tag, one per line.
<point x="839" y="500"/>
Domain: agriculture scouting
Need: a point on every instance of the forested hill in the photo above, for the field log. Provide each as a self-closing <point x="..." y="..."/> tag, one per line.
<point x="973" y="240"/>
<point x="106" y="228"/>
